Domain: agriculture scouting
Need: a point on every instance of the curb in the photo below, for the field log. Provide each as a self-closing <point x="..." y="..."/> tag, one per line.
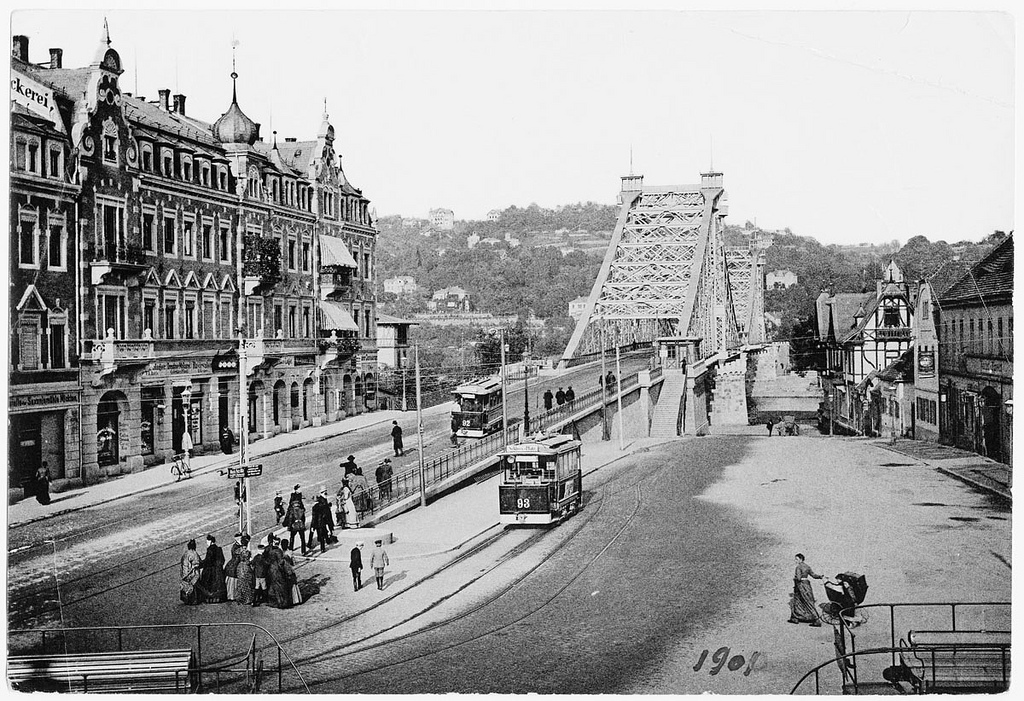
<point x="974" y="483"/>
<point x="199" y="471"/>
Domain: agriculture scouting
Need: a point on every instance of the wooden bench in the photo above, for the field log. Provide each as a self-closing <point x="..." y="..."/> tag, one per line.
<point x="104" y="672"/>
<point x="957" y="660"/>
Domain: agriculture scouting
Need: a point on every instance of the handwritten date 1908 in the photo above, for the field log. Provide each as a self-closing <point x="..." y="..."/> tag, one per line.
<point x="719" y="660"/>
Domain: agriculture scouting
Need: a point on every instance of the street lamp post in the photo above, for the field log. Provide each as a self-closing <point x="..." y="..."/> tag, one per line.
<point x="504" y="402"/>
<point x="419" y="430"/>
<point x="243" y="430"/>
<point x="604" y="405"/>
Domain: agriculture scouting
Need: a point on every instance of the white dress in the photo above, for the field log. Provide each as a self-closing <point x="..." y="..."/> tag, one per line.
<point x="349" y="507"/>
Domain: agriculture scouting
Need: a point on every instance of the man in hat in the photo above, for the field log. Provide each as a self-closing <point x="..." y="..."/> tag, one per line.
<point x="321" y="524"/>
<point x="378" y="561"/>
<point x="356" y="564"/>
<point x="396" y="439"/>
<point x="349" y="466"/>
<point x="279" y="506"/>
<point x="259" y="573"/>
<point x="381" y="476"/>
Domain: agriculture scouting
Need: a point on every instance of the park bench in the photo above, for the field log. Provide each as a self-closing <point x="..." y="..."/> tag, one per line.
<point x="104" y="672"/>
<point x="957" y="661"/>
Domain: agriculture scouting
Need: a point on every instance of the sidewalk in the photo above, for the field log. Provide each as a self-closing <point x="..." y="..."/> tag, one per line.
<point x="976" y="470"/>
<point x="158" y="476"/>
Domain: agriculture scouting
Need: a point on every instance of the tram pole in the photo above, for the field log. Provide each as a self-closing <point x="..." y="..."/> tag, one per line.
<point x="419" y="428"/>
<point x="604" y="403"/>
<point x="618" y="392"/>
<point x="504" y="402"/>
<point x="243" y="442"/>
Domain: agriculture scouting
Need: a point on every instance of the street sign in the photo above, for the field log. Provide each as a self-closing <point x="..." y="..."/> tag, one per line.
<point x="247" y="471"/>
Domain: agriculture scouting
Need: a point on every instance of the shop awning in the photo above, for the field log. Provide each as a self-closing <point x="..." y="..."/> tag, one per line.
<point x="336" y="317"/>
<point x="334" y="252"/>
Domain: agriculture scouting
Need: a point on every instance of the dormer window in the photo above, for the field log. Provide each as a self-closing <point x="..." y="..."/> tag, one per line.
<point x="891" y="317"/>
<point x="147" y="159"/>
<point x="110" y="148"/>
<point x="168" y="165"/>
<point x="186" y="169"/>
<point x="56" y="165"/>
<point x="223" y="180"/>
<point x="205" y="175"/>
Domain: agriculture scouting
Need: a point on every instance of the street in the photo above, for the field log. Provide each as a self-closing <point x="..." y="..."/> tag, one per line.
<point x="682" y="547"/>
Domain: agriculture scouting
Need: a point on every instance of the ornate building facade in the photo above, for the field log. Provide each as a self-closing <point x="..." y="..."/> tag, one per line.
<point x="188" y="237"/>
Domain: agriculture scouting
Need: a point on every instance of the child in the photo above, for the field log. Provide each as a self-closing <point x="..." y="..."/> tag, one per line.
<point x="279" y="506"/>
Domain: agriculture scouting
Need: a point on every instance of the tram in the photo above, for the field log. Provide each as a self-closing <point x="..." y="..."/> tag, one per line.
<point x="479" y="411"/>
<point x="541" y="480"/>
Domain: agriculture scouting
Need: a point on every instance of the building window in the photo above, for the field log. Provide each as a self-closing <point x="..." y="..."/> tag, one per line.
<point x="205" y="175"/>
<point x="305" y="322"/>
<point x="366" y="265"/>
<point x="291" y="321"/>
<point x="170" y="319"/>
<point x="28" y="342"/>
<point x="28" y="244"/>
<point x="33" y="158"/>
<point x="149" y="231"/>
<point x="291" y="255"/>
<point x="305" y="257"/>
<point x="56" y="169"/>
<point x="206" y="245"/>
<point x="190" y="319"/>
<point x="111" y="218"/>
<point x="186" y="170"/>
<point x="223" y="179"/>
<point x="168" y="165"/>
<point x="149" y="316"/>
<point x="225" y="243"/>
<point x="188" y="238"/>
<point x="891" y="317"/>
<point x="58" y="345"/>
<point x="999" y="336"/>
<point x="169" y="242"/>
<point x="58" y="238"/>
<point x="110" y="311"/>
<point x="278" y="318"/>
<point x="147" y="159"/>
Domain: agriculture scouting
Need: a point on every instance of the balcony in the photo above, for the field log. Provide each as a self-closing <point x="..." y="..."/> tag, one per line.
<point x="112" y="353"/>
<point x="334" y="285"/>
<point x="898" y="333"/>
<point x="261" y="263"/>
<point x="338" y="348"/>
<point x="113" y="258"/>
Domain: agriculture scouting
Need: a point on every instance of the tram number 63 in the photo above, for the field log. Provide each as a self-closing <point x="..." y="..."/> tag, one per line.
<point x="523" y="503"/>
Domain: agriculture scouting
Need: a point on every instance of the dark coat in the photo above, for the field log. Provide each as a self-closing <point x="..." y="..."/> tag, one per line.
<point x="356" y="563"/>
<point x="259" y="566"/>
<point x="211" y="584"/>
<point x="560" y="397"/>
<point x="321" y="516"/>
<point x="295" y="518"/>
<point x="548" y="398"/>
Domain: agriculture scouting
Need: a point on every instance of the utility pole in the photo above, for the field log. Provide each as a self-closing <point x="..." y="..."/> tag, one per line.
<point x="243" y="443"/>
<point x="419" y="429"/>
<point x="604" y="389"/>
<point x="618" y="392"/>
<point x="504" y="402"/>
<point x="526" y="394"/>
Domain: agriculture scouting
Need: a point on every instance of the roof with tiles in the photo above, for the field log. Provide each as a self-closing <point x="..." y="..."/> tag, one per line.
<point x="844" y="307"/>
<point x="990" y="278"/>
<point x="146" y="114"/>
<point x="947" y="275"/>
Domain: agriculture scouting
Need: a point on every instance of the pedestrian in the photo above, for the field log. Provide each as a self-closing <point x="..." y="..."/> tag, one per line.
<point x="279" y="506"/>
<point x="801" y="605"/>
<point x="396" y="439"/>
<point x="361" y="492"/>
<point x="609" y="381"/>
<point x="190" y="574"/>
<point x="570" y="396"/>
<point x="600" y="381"/>
<point x="42" y="483"/>
<point x="321" y="522"/>
<point x="548" y="397"/>
<point x="290" y="578"/>
<point x="349" y="466"/>
<point x="356" y="565"/>
<point x="379" y="475"/>
<point x="295" y="519"/>
<point x="245" y="586"/>
<point x="389" y="473"/>
<point x="378" y="561"/>
<point x="279" y="572"/>
<point x="227" y="440"/>
<point x="770" y="425"/>
<point x="186" y="449"/>
<point x="347" y="505"/>
<point x="231" y="568"/>
<point x="211" y="578"/>
<point x="259" y="575"/>
<point x="560" y="397"/>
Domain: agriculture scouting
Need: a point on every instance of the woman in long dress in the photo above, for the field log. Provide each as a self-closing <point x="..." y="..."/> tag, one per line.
<point x="246" y="582"/>
<point x="278" y="586"/>
<point x="801" y="603"/>
<point x="348" y="505"/>
<point x="361" y="492"/>
<point x="190" y="574"/>
<point x="212" y="589"/>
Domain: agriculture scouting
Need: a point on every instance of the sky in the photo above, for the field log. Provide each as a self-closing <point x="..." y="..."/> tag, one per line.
<point x="848" y="126"/>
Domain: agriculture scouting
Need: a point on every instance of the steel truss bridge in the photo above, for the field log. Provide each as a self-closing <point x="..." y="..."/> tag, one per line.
<point x="668" y="273"/>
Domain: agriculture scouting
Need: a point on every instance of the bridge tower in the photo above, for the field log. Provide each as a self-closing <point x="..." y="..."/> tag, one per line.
<point x="666" y="272"/>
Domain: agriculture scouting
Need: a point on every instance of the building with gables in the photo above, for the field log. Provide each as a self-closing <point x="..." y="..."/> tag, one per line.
<point x="183" y="237"/>
<point x="860" y="334"/>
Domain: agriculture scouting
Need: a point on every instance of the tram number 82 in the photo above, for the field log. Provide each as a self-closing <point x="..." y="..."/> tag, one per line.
<point x="523" y="503"/>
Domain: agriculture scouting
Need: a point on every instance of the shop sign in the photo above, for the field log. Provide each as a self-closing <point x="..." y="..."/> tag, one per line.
<point x="245" y="471"/>
<point x="23" y="401"/>
<point x="225" y="363"/>
<point x="926" y="363"/>
<point x="36" y="98"/>
<point x="163" y="368"/>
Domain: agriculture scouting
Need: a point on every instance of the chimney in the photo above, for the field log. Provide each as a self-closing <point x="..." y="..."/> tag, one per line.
<point x="19" y="49"/>
<point x="56" y="58"/>
<point x="165" y="96"/>
<point x="179" y="104"/>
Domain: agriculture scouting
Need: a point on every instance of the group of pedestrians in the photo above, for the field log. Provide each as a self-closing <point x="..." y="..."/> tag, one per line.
<point x="567" y="396"/>
<point x="378" y="561"/>
<point x="266" y="578"/>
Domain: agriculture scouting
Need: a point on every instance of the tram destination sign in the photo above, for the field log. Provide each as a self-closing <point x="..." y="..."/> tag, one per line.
<point x="236" y="473"/>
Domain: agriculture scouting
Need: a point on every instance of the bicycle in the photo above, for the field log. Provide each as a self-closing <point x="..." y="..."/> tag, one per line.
<point x="180" y="467"/>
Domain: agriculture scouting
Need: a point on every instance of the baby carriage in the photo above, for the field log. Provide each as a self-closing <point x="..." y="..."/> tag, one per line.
<point x="848" y="590"/>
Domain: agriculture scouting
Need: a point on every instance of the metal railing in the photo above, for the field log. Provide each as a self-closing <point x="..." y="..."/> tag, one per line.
<point x="92" y="639"/>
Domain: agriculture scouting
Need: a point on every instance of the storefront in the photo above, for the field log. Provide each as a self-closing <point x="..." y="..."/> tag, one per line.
<point x="42" y="428"/>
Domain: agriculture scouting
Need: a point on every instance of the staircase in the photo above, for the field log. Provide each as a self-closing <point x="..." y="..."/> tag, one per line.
<point x="665" y="423"/>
